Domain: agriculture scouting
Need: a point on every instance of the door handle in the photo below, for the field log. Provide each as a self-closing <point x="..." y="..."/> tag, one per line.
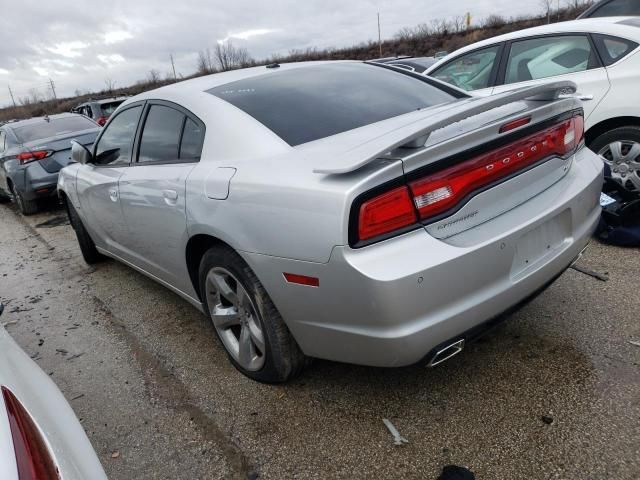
<point x="170" y="197"/>
<point x="113" y="194"/>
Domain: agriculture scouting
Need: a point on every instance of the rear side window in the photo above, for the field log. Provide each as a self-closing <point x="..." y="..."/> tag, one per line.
<point x="305" y="104"/>
<point x="471" y="71"/>
<point x="192" y="137"/>
<point x="617" y="8"/>
<point x="109" y="108"/>
<point x="53" y="127"/>
<point x="548" y="57"/>
<point x="612" y="49"/>
<point x="161" y="135"/>
<point x="114" y="146"/>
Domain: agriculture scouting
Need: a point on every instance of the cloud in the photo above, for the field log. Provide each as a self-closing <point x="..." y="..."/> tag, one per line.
<point x="112" y="59"/>
<point x="247" y="34"/>
<point x="4" y="71"/>
<point x="68" y="49"/>
<point x="116" y="36"/>
<point x="123" y="40"/>
<point x="41" y="71"/>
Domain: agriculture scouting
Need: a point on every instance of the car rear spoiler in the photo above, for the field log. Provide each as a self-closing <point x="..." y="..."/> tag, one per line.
<point x="416" y="134"/>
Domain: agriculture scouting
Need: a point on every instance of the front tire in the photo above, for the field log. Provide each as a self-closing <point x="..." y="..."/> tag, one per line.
<point x="87" y="246"/>
<point x="620" y="150"/>
<point x="245" y="319"/>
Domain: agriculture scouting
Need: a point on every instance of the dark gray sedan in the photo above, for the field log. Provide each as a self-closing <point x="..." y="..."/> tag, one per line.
<point x="33" y="151"/>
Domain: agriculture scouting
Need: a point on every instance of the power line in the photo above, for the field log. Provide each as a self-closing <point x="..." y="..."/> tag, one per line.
<point x="379" y="36"/>
<point x="173" y="67"/>
<point x="11" y="93"/>
<point x="53" y="89"/>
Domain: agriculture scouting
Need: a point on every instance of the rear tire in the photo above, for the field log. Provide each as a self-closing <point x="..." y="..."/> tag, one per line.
<point x="620" y="150"/>
<point x="87" y="246"/>
<point x="26" y="207"/>
<point x="240" y="308"/>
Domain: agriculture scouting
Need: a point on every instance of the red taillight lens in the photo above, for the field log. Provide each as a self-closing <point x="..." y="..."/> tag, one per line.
<point x="102" y="120"/>
<point x="386" y="213"/>
<point x="443" y="190"/>
<point x="26" y="157"/>
<point x="32" y="454"/>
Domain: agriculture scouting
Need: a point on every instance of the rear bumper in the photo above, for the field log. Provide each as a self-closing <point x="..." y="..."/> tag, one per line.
<point x="392" y="303"/>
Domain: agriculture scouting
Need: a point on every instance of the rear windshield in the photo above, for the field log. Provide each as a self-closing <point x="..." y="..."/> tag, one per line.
<point x="306" y="104"/>
<point x="110" y="107"/>
<point x="52" y="128"/>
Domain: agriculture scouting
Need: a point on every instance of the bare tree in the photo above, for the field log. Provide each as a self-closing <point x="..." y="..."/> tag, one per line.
<point x="153" y="76"/>
<point x="205" y="62"/>
<point x="35" y="96"/>
<point x="110" y="84"/>
<point x="546" y="6"/>
<point x="228" y="57"/>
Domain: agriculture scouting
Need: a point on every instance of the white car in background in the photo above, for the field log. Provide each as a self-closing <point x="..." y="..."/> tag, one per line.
<point x="600" y="55"/>
<point x="40" y="436"/>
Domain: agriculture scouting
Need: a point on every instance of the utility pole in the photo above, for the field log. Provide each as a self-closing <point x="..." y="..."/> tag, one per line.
<point x="11" y="93"/>
<point x="53" y="89"/>
<point x="173" y="67"/>
<point x="379" y="36"/>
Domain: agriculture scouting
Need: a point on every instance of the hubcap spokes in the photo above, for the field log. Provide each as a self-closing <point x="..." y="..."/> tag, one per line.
<point x="235" y="319"/>
<point x="623" y="158"/>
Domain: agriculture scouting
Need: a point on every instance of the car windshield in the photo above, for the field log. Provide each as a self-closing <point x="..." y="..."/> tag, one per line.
<point x="305" y="104"/>
<point x="110" y="107"/>
<point x="52" y="128"/>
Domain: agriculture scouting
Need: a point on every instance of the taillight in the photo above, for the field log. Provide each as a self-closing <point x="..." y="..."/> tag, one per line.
<point x="445" y="189"/>
<point x="102" y="120"/>
<point x="33" y="458"/>
<point x="27" y="157"/>
<point x="438" y="193"/>
<point x="386" y="213"/>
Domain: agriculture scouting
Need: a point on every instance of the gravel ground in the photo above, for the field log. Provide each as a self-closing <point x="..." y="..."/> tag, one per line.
<point x="554" y="392"/>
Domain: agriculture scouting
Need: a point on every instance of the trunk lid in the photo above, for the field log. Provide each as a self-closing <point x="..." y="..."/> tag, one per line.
<point x="463" y="154"/>
<point x="60" y="145"/>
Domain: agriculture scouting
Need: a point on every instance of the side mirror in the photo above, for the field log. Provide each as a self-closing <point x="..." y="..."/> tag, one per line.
<point x="1" y="309"/>
<point x="80" y="153"/>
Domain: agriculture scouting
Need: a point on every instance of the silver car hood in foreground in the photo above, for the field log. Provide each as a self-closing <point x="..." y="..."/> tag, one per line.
<point x="66" y="438"/>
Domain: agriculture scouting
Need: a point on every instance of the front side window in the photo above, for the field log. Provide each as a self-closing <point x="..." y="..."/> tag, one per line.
<point x="115" y="144"/>
<point x="471" y="71"/>
<point x="2" y="141"/>
<point x="548" y="57"/>
<point x="161" y="135"/>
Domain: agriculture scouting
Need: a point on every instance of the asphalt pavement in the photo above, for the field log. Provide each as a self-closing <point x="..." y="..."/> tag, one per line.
<point x="552" y="393"/>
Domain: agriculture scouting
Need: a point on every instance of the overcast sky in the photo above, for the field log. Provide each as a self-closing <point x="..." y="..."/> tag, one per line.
<point x="79" y="44"/>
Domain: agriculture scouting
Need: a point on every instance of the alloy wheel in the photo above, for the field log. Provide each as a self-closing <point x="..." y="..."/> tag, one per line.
<point x="235" y="319"/>
<point x="623" y="158"/>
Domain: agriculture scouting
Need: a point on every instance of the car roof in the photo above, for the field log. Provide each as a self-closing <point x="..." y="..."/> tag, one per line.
<point x="625" y="27"/>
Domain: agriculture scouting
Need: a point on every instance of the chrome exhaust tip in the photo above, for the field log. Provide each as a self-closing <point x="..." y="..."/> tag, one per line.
<point x="446" y="353"/>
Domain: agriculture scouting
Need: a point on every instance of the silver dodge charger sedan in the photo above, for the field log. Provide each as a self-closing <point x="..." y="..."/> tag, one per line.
<point x="342" y="210"/>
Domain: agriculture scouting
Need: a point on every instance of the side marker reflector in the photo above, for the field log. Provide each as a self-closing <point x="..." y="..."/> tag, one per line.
<point x="301" y="279"/>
